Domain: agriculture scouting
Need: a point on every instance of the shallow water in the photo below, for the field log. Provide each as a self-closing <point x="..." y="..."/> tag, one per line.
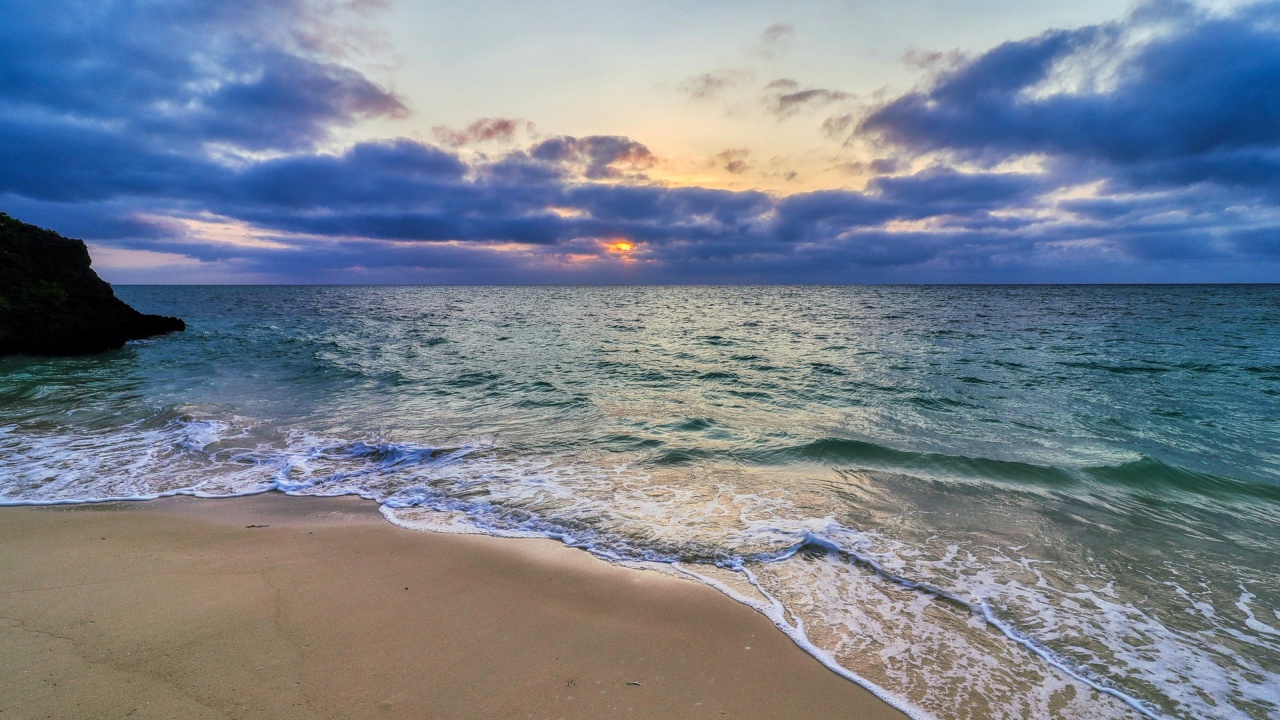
<point x="1011" y="502"/>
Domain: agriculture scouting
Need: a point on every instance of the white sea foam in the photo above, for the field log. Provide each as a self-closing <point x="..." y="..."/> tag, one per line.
<point x="857" y="600"/>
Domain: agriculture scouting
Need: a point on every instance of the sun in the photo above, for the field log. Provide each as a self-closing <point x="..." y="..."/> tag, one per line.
<point x="620" y="248"/>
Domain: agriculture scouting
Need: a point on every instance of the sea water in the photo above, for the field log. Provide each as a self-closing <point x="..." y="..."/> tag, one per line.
<point x="980" y="502"/>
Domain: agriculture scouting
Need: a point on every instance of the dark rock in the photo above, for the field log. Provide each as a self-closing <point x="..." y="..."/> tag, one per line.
<point x="53" y="303"/>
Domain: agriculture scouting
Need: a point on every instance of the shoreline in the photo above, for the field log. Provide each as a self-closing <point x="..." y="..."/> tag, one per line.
<point x="282" y="607"/>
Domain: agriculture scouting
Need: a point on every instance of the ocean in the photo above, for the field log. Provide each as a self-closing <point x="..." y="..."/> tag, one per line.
<point x="979" y="502"/>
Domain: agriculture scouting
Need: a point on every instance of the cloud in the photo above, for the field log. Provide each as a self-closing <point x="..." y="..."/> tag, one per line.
<point x="181" y="73"/>
<point x="387" y="173"/>
<point x="933" y="60"/>
<point x="483" y="130"/>
<point x="776" y="39"/>
<point x="713" y="85"/>
<point x="1169" y="95"/>
<point x="840" y="127"/>
<point x="598" y="156"/>
<point x="784" y="97"/>
<point x="941" y="190"/>
<point x="382" y="209"/>
<point x="733" y="160"/>
<point x="778" y="32"/>
<point x="1144" y="149"/>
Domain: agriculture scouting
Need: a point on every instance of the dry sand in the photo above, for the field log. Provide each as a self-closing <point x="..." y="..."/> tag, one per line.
<point x="176" y="609"/>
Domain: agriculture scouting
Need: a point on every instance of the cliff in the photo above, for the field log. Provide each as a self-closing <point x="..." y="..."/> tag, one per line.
<point x="53" y="303"/>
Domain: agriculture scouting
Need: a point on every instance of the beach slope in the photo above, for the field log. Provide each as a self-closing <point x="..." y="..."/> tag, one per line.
<point x="278" y="607"/>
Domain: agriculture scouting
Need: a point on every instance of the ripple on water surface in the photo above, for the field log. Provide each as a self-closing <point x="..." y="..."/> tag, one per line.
<point x="985" y="502"/>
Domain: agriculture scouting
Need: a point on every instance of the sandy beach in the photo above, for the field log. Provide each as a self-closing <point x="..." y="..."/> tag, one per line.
<point x="278" y="607"/>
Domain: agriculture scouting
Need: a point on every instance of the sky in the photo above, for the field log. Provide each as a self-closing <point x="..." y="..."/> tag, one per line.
<point x="532" y="142"/>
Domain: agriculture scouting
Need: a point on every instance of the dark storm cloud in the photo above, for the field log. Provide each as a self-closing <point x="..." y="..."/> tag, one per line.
<point x="182" y="72"/>
<point x="59" y="158"/>
<point x="1189" y="97"/>
<point x="1143" y="147"/>
<point x="373" y="173"/>
<point x="420" y="226"/>
<point x="100" y="99"/>
<point x="281" y="101"/>
<point x="1264" y="242"/>
<point x="723" y="210"/>
<point x="99" y="220"/>
<point x="943" y="190"/>
<point x="481" y="213"/>
<point x="817" y="216"/>
<point x="599" y="156"/>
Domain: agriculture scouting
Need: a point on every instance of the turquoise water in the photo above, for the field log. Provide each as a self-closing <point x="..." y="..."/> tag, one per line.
<point x="1008" y="502"/>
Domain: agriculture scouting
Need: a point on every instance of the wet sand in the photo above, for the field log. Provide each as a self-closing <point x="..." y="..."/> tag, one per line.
<point x="176" y="609"/>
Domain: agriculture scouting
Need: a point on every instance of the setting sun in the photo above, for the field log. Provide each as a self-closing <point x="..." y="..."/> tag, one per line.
<point x="622" y="247"/>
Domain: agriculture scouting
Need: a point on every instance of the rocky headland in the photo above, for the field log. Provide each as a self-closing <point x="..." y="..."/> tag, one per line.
<point x="53" y="303"/>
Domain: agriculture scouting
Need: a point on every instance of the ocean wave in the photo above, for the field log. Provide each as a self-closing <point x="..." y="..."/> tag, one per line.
<point x="633" y="512"/>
